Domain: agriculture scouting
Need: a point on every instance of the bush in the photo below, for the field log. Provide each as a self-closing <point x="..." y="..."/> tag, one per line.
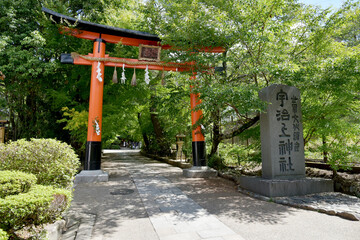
<point x="15" y="182"/>
<point x="3" y="235"/>
<point x="53" y="162"/>
<point x="240" y="155"/>
<point x="216" y="162"/>
<point x="42" y="204"/>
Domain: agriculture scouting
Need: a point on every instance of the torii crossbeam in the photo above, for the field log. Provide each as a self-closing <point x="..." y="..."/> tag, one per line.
<point x="102" y="34"/>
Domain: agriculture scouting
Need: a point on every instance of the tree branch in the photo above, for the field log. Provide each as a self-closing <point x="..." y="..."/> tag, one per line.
<point x="241" y="128"/>
<point x="235" y="109"/>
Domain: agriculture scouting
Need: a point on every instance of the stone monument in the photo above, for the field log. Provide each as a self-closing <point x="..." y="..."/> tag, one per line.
<point x="282" y="148"/>
<point x="282" y="144"/>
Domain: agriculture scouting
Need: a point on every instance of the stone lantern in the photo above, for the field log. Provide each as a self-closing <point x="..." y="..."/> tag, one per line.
<point x="179" y="144"/>
<point x="3" y="124"/>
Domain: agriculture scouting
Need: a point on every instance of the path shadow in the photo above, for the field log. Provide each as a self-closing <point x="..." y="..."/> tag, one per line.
<point x="218" y="196"/>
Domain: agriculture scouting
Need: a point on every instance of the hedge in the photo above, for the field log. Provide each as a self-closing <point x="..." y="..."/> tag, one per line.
<point x="42" y="204"/>
<point x="53" y="162"/>
<point x="3" y="235"/>
<point x="15" y="182"/>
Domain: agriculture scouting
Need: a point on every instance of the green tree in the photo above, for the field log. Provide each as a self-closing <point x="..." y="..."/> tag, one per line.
<point x="130" y="112"/>
<point x="36" y="86"/>
<point x="266" y="42"/>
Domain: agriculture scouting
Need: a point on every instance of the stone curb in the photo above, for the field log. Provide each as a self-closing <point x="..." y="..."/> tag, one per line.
<point x="54" y="230"/>
<point x="345" y="215"/>
<point x="79" y="227"/>
<point x="342" y="214"/>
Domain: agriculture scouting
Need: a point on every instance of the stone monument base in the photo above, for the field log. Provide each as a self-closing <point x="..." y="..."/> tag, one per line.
<point x="283" y="188"/>
<point x="199" y="172"/>
<point x="90" y="176"/>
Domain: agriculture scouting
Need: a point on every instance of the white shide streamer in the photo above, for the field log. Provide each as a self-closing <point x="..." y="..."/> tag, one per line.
<point x="147" y="78"/>
<point x="98" y="70"/>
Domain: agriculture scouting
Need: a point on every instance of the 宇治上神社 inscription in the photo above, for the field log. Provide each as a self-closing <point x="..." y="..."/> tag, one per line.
<point x="282" y="145"/>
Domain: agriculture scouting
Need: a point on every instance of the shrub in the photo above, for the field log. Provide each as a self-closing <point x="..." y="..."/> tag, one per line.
<point x="3" y="235"/>
<point x="53" y="162"/>
<point x="15" y="182"/>
<point x="216" y="162"/>
<point x="42" y="204"/>
<point x="240" y="155"/>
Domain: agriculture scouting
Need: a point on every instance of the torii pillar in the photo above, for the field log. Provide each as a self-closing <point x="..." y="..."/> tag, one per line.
<point x="198" y="139"/>
<point x="200" y="168"/>
<point x="94" y="131"/>
<point x="92" y="168"/>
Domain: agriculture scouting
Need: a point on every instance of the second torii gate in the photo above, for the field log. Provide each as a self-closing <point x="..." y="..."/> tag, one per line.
<point x="102" y="34"/>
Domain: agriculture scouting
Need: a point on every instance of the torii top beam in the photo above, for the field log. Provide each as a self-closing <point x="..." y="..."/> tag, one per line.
<point x="92" y="31"/>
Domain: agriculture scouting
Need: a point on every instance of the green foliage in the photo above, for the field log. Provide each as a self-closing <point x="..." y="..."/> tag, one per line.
<point x="123" y="104"/>
<point x="172" y="101"/>
<point x="240" y="155"/>
<point x="172" y="107"/>
<point x="37" y="86"/>
<point x="216" y="162"/>
<point x="53" y="162"/>
<point x="331" y="109"/>
<point x="76" y="124"/>
<point x="267" y="42"/>
<point x="3" y="235"/>
<point x="42" y="204"/>
<point x="15" y="182"/>
<point x="26" y="62"/>
<point x="349" y="32"/>
<point x="343" y="157"/>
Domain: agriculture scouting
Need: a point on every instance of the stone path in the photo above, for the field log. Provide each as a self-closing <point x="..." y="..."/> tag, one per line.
<point x="332" y="203"/>
<point x="175" y="216"/>
<point x="148" y="200"/>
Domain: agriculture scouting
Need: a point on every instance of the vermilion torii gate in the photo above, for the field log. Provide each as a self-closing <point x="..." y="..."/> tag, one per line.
<point x="101" y="35"/>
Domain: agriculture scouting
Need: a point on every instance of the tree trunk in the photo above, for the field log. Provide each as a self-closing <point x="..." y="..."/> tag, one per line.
<point x="145" y="137"/>
<point x="325" y="152"/>
<point x="12" y="128"/>
<point x="30" y="128"/>
<point x="241" y="128"/>
<point x="216" y="133"/>
<point x="164" y="146"/>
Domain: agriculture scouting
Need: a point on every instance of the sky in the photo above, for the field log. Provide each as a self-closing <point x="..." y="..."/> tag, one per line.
<point x="324" y="3"/>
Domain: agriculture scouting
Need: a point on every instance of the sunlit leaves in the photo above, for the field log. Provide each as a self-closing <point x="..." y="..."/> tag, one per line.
<point x="267" y="42"/>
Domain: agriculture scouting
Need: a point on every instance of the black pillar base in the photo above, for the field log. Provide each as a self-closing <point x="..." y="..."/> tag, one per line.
<point x="199" y="153"/>
<point x="93" y="156"/>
